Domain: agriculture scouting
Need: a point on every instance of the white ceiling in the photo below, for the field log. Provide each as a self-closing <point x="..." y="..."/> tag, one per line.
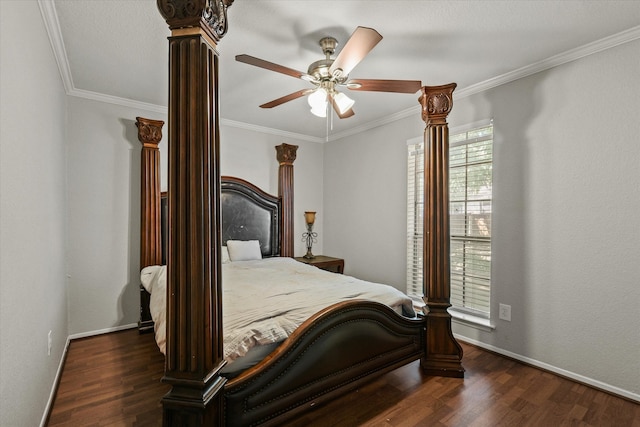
<point x="116" y="50"/>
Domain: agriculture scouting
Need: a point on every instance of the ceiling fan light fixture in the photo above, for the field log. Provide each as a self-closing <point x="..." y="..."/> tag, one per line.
<point x="343" y="102"/>
<point x="319" y="111"/>
<point x="318" y="102"/>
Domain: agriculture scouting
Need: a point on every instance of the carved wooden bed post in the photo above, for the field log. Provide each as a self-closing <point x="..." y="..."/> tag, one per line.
<point x="194" y="355"/>
<point x="150" y="134"/>
<point x="443" y="354"/>
<point x="286" y="155"/>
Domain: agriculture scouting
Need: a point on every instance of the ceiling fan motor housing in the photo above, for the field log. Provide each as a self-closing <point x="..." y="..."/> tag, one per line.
<point x="320" y="69"/>
<point x="328" y="45"/>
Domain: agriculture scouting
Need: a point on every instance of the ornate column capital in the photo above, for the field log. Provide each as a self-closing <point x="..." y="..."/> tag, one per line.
<point x="437" y="102"/>
<point x="149" y="131"/>
<point x="211" y="15"/>
<point x="286" y="153"/>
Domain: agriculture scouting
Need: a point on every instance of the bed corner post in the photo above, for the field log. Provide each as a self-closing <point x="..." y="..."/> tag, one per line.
<point x="194" y="355"/>
<point x="443" y="354"/>
<point x="286" y="155"/>
<point x="150" y="134"/>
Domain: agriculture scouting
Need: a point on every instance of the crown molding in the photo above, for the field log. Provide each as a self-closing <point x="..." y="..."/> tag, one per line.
<point x="52" y="25"/>
<point x="409" y="112"/>
<point x="117" y="100"/>
<point x="271" y="131"/>
<point x="554" y="61"/>
<point x="50" y="17"/>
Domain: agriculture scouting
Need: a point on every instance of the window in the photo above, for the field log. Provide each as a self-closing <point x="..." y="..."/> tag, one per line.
<point x="470" y="194"/>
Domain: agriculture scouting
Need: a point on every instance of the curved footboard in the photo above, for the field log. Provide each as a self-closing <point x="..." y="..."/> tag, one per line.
<point x="332" y="352"/>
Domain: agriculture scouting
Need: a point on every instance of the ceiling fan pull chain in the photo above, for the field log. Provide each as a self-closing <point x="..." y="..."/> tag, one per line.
<point x="327" y="122"/>
<point x="330" y="113"/>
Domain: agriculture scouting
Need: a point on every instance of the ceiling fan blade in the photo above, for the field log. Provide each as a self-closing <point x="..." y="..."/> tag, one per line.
<point x="286" y="98"/>
<point x="344" y="115"/>
<point x="251" y="60"/>
<point x="357" y="47"/>
<point x="400" y="86"/>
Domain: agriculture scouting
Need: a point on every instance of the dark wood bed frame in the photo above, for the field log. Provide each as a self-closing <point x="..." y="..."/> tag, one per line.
<point x="332" y="352"/>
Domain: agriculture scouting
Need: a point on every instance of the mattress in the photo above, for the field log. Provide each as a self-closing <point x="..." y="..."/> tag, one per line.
<point x="266" y="300"/>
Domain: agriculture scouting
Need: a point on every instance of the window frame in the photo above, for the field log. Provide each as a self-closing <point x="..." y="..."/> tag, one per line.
<point x="415" y="208"/>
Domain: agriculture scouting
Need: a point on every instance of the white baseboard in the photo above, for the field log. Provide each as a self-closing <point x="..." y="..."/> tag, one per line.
<point x="554" y="369"/>
<point x="54" y="387"/>
<point x="56" y="380"/>
<point x="102" y="331"/>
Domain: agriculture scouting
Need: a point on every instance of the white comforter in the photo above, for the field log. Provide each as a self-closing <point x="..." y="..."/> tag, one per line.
<point x="266" y="300"/>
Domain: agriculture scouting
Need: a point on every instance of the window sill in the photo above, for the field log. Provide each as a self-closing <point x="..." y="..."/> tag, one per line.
<point x="473" y="321"/>
<point x="462" y="318"/>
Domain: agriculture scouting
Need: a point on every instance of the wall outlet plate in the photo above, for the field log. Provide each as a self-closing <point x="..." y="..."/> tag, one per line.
<point x="505" y="312"/>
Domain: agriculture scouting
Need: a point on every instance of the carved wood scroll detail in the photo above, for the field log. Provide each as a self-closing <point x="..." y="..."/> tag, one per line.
<point x="286" y="154"/>
<point x="437" y="102"/>
<point x="149" y="131"/>
<point x="211" y="14"/>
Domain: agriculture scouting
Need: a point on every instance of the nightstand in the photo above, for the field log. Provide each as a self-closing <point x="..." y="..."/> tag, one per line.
<point x="335" y="265"/>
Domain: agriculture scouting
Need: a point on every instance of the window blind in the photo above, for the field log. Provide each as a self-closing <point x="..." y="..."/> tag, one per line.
<point x="415" y="203"/>
<point x="470" y="201"/>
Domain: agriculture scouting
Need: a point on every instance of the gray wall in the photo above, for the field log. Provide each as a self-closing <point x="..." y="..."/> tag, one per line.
<point x="103" y="155"/>
<point x="567" y="190"/>
<point x="33" y="296"/>
<point x="104" y="203"/>
<point x="365" y="185"/>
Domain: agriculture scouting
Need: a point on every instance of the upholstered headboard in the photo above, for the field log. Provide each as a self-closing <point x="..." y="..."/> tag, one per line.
<point x="248" y="213"/>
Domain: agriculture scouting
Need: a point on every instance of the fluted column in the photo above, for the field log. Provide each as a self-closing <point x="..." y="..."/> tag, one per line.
<point x="443" y="355"/>
<point x="150" y="134"/>
<point x="286" y="155"/>
<point x="194" y="303"/>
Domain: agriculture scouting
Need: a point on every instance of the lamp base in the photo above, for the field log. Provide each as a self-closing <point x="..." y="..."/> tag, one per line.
<point x="309" y="255"/>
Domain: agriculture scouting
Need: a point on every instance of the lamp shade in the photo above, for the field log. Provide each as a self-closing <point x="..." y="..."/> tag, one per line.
<point x="317" y="98"/>
<point x="318" y="102"/>
<point x="343" y="102"/>
<point x="319" y="111"/>
<point x="310" y="217"/>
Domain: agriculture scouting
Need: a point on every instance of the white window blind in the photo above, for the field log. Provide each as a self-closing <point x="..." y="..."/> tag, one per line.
<point x="470" y="194"/>
<point x="415" y="208"/>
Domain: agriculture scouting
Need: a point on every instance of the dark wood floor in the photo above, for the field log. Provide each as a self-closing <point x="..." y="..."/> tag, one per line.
<point x="114" y="380"/>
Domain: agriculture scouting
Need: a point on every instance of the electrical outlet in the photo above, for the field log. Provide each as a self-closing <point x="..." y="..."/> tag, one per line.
<point x="505" y="312"/>
<point x="49" y="342"/>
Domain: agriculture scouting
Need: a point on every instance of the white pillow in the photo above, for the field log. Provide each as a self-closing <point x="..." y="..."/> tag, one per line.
<point x="240" y="250"/>
<point x="225" y="255"/>
<point x="149" y="276"/>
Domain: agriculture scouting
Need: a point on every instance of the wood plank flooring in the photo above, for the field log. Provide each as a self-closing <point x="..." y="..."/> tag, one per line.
<point x="111" y="380"/>
<point x="114" y="380"/>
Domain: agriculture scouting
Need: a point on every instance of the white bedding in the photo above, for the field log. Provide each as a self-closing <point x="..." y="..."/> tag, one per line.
<point x="266" y="300"/>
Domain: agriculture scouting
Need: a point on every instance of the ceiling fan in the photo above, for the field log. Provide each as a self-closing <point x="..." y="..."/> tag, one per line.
<point x="328" y="75"/>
